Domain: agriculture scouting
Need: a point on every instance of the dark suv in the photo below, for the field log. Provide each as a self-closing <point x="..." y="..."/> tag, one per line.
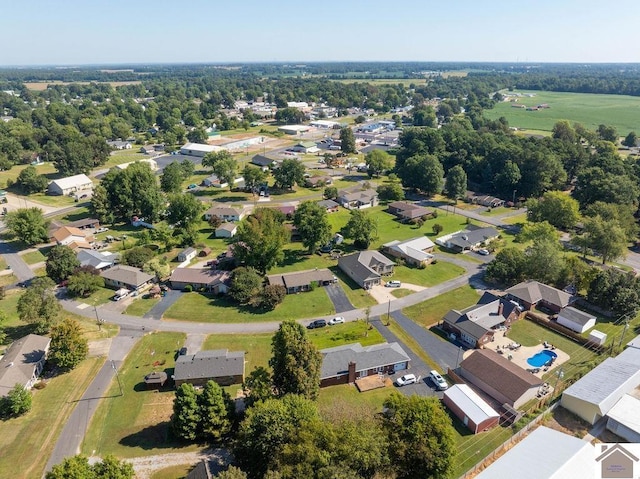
<point x="318" y="323"/>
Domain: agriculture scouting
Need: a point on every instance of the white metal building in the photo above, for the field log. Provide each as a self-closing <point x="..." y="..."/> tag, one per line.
<point x="199" y="149"/>
<point x="70" y="184"/>
<point x="544" y="454"/>
<point x="470" y="408"/>
<point x="576" y="320"/>
<point x="624" y="418"/>
<point x="593" y="396"/>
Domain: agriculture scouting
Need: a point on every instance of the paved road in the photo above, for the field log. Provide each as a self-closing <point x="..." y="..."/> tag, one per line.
<point x="339" y="299"/>
<point x="71" y="437"/>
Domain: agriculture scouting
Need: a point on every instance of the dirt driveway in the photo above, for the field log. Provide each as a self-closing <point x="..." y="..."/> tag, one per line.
<point x="382" y="294"/>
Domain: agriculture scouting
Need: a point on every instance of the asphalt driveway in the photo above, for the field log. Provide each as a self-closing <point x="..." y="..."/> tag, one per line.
<point x="165" y="303"/>
<point x="338" y="297"/>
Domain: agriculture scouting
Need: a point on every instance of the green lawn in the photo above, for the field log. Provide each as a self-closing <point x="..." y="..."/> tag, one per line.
<point x="8" y="279"/>
<point x="103" y="295"/>
<point x="35" y="434"/>
<point x="3" y="264"/>
<point x="351" y="332"/>
<point x="358" y="297"/>
<point x="433" y="310"/>
<point x="590" y="110"/>
<point x="473" y="448"/>
<point x="401" y="292"/>
<point x="495" y="211"/>
<point x="173" y="472"/>
<point x="338" y="403"/>
<point x="123" y="156"/>
<point x="408" y="340"/>
<point x="51" y="200"/>
<point x="137" y="423"/>
<point x="44" y="169"/>
<point x="430" y="276"/>
<point x="141" y="306"/>
<point x="528" y="333"/>
<point x="513" y="220"/>
<point x="205" y="308"/>
<point x="33" y="257"/>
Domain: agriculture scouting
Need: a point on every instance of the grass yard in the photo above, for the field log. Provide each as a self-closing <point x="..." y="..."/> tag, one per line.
<point x="338" y="403"/>
<point x="430" y="276"/>
<point x="358" y="297"/>
<point x="49" y="200"/>
<point x="405" y="338"/>
<point x="43" y="169"/>
<point x="33" y="257"/>
<point x="141" y="306"/>
<point x="123" y="156"/>
<point x="3" y="264"/>
<point x="401" y="292"/>
<point x="8" y="279"/>
<point x="473" y="448"/>
<point x="529" y="333"/>
<point x="495" y="211"/>
<point x="351" y="332"/>
<point x="517" y="219"/>
<point x="35" y="434"/>
<point x="103" y="295"/>
<point x="433" y="310"/>
<point x="137" y="423"/>
<point x="173" y="472"/>
<point x="207" y="309"/>
<point x="588" y="109"/>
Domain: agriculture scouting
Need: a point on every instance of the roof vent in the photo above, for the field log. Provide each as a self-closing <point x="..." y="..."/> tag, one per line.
<point x="465" y="237"/>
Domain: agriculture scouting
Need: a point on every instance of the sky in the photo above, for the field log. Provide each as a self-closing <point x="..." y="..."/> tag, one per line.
<point x="80" y="32"/>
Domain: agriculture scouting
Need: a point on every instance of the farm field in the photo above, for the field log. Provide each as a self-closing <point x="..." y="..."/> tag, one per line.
<point x="588" y="109"/>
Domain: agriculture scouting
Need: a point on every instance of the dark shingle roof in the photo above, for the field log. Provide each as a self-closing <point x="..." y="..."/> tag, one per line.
<point x="533" y="292"/>
<point x="301" y="278"/>
<point x="471" y="238"/>
<point x="209" y="364"/>
<point x="336" y="360"/>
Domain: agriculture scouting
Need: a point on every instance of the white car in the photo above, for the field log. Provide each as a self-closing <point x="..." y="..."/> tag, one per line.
<point x="483" y="252"/>
<point x="406" y="379"/>
<point x="393" y="284"/>
<point x="336" y="320"/>
<point x="102" y="230"/>
<point x="438" y="380"/>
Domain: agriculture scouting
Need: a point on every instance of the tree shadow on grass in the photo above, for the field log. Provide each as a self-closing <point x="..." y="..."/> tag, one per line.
<point x="158" y="436"/>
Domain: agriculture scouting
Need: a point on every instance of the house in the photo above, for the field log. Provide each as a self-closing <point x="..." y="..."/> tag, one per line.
<point x="69" y="185"/>
<point x="576" y="320"/>
<point x="477" y="324"/>
<point x="358" y="199"/>
<point x="120" y="145"/>
<point x="187" y="254"/>
<point x="471" y="409"/>
<point x="262" y="161"/>
<point x="86" y="223"/>
<point x="415" y="251"/>
<point x="316" y="181"/>
<point x="225" y="213"/>
<point x="330" y="205"/>
<point x="220" y="365"/>
<point x="147" y="149"/>
<point x="226" y="230"/>
<point x="344" y="364"/>
<point x="213" y="281"/>
<point x="544" y="454"/>
<point x="213" y="180"/>
<point x="199" y="149"/>
<point x="498" y="377"/>
<point x="287" y="210"/>
<point x="22" y="362"/>
<point x="299" y="281"/>
<point x="406" y="211"/>
<point x="122" y="276"/>
<point x="366" y="267"/>
<point x="468" y="240"/>
<point x="593" y="395"/>
<point x="202" y="470"/>
<point x="74" y="238"/>
<point x="305" y="147"/>
<point x="484" y="200"/>
<point x="99" y="260"/>
<point x="624" y="418"/>
<point x="532" y="294"/>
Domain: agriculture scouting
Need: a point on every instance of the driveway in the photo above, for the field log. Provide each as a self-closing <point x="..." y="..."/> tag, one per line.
<point x="383" y="295"/>
<point x="165" y="303"/>
<point x="338" y="297"/>
<point x="21" y="269"/>
<point x="442" y="352"/>
<point x="417" y="366"/>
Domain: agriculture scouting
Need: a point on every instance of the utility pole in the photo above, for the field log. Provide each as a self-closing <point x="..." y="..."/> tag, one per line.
<point x="458" y="358"/>
<point x="626" y="326"/>
<point x="559" y="376"/>
<point x="113" y="365"/>
<point x="389" y="313"/>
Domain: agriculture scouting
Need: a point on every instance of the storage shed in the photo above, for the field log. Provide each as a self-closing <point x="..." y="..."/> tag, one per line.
<point x="470" y="408"/>
<point x="576" y="320"/>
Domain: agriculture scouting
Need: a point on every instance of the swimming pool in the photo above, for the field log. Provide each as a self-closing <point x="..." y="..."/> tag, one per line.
<point x="540" y="359"/>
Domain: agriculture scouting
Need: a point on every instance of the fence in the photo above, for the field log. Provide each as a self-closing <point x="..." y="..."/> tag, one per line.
<point x="558" y="328"/>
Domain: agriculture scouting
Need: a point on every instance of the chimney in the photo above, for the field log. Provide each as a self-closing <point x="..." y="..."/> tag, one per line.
<point x="352" y="372"/>
<point x="500" y="308"/>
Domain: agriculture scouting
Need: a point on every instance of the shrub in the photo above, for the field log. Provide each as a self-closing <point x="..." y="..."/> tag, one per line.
<point x="434" y="215"/>
<point x="188" y="288"/>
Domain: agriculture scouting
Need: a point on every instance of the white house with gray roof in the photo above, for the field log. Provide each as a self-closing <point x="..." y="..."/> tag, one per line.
<point x="593" y="395"/>
<point x="99" y="260"/>
<point x="122" y="276"/>
<point x="414" y="251"/>
<point x="366" y="267"/>
<point x="468" y="240"/>
<point x="22" y="362"/>
<point x="219" y="365"/>
<point x="344" y="364"/>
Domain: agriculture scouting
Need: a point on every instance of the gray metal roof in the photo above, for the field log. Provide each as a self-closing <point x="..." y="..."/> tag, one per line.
<point x="576" y="316"/>
<point x="472" y="405"/>
<point x="127" y="274"/>
<point x="209" y="364"/>
<point x="335" y="361"/>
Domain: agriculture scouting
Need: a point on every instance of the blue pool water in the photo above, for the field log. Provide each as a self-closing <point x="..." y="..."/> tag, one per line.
<point x="540" y="359"/>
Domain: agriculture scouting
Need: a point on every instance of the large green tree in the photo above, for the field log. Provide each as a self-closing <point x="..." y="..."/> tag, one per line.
<point x="289" y="173"/>
<point x="295" y="361"/>
<point x="31" y="182"/>
<point x="28" y="224"/>
<point x="508" y="267"/>
<point x="257" y="386"/>
<point x="606" y="237"/>
<point x="210" y="159"/>
<point x="186" y="417"/>
<point x="78" y="467"/>
<point x="377" y="161"/>
<point x="172" y="178"/>
<point x="267" y="426"/>
<point x="216" y="412"/>
<point x="38" y="305"/>
<point x="260" y="239"/>
<point x="556" y="207"/>
<point x="226" y="170"/>
<point x="361" y="228"/>
<point x="16" y="403"/>
<point x="184" y="210"/>
<point x="630" y="140"/>
<point x="100" y="205"/>
<point x="68" y="344"/>
<point x="424" y="173"/>
<point x="312" y="223"/>
<point x="61" y="263"/>
<point x="254" y="177"/>
<point x="421" y="437"/>
<point x="246" y="285"/>
<point x="347" y="140"/>
<point x="456" y="183"/>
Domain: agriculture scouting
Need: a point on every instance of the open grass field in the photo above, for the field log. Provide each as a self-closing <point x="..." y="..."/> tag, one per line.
<point x="432" y="311"/>
<point x="141" y="306"/>
<point x="337" y="403"/>
<point x="590" y="110"/>
<point x="123" y="156"/>
<point x="209" y="309"/>
<point x="137" y="423"/>
<point x="33" y="257"/>
<point x="43" y="169"/>
<point x="173" y="472"/>
<point x="430" y="276"/>
<point x="34" y="435"/>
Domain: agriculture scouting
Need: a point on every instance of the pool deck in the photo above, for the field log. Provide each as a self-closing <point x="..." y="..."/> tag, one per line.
<point x="520" y="355"/>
